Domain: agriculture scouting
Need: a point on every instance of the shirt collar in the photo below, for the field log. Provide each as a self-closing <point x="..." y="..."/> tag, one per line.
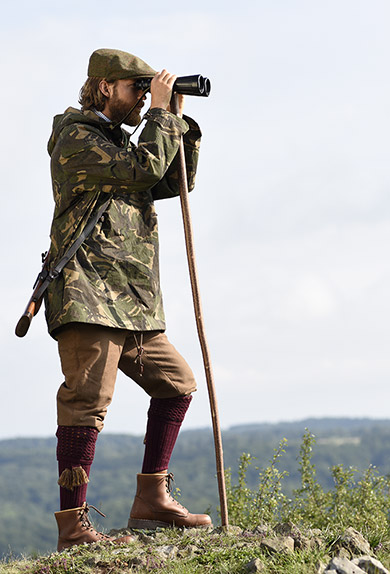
<point x="102" y="116"/>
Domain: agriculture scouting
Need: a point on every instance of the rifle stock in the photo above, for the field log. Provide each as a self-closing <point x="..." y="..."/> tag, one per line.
<point x="34" y="303"/>
<point x="32" y="309"/>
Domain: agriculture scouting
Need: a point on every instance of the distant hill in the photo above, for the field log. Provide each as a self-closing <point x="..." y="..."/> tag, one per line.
<point x="28" y="471"/>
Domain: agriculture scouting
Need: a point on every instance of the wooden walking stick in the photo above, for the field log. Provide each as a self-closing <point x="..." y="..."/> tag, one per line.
<point x="187" y="221"/>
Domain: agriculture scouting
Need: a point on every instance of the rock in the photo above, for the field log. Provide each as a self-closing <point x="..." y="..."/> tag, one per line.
<point x="137" y="561"/>
<point x="279" y="545"/>
<point x="316" y="542"/>
<point x="354" y="542"/>
<point x="301" y="541"/>
<point x="343" y="566"/>
<point x="317" y="536"/>
<point x="93" y="560"/>
<point x="167" y="551"/>
<point x="306" y="543"/>
<point x="287" y="529"/>
<point x="343" y="553"/>
<point x="189" y="551"/>
<point x="320" y="567"/>
<point x="262" y="529"/>
<point x="370" y="565"/>
<point x="231" y="530"/>
<point x="254" y="565"/>
<point x="145" y="538"/>
<point x="118" y="532"/>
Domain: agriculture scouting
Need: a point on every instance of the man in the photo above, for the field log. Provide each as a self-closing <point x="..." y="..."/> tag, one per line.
<point x="105" y="308"/>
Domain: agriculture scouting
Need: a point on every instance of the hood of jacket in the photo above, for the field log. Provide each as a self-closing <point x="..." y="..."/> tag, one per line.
<point x="74" y="116"/>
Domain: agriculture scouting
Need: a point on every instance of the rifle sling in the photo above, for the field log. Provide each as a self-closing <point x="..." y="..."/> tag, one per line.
<point x="48" y="276"/>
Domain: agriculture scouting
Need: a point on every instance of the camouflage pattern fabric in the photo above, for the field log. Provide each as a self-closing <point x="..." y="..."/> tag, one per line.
<point x="113" y="279"/>
<point x="116" y="65"/>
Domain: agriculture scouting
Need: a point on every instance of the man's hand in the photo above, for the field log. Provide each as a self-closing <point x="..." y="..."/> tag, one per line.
<point x="161" y="91"/>
<point x="180" y="105"/>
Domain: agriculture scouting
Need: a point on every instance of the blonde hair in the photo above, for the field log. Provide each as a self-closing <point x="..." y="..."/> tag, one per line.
<point x="91" y="96"/>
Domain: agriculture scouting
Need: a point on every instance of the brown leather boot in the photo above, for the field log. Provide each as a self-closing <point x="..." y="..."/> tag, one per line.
<point x="74" y="527"/>
<point x="154" y="506"/>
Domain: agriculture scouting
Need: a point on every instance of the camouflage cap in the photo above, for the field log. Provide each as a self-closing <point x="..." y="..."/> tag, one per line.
<point x="117" y="65"/>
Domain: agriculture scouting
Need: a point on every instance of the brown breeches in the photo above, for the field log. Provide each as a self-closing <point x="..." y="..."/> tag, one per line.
<point x="90" y="358"/>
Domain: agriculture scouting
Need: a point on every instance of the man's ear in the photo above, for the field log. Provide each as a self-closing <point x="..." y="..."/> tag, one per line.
<point x="103" y="87"/>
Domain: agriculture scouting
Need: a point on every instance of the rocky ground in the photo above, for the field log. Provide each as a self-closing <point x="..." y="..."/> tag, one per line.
<point x="282" y="549"/>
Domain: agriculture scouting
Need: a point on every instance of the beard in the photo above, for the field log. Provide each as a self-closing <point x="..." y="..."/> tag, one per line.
<point x="118" y="110"/>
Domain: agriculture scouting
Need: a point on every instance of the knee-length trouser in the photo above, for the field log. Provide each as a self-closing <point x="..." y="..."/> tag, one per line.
<point x="90" y="358"/>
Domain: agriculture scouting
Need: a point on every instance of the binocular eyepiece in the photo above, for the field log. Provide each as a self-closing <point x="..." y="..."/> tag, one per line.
<point x="189" y="85"/>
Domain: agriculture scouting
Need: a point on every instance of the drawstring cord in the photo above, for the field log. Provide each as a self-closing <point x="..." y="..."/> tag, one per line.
<point x="140" y="351"/>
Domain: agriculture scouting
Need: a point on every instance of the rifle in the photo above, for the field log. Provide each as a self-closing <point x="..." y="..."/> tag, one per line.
<point x="45" y="277"/>
<point x="35" y="301"/>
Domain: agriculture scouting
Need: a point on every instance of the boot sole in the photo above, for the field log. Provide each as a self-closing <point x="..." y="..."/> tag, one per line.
<point x="142" y="524"/>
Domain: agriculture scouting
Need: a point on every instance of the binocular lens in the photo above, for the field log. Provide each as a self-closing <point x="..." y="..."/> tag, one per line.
<point x="204" y="86"/>
<point x="207" y="86"/>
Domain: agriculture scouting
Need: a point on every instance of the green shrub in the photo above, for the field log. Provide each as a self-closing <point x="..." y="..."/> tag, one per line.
<point x="357" y="499"/>
<point x="246" y="507"/>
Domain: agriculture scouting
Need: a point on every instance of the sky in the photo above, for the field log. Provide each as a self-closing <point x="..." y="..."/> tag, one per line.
<point x="290" y="211"/>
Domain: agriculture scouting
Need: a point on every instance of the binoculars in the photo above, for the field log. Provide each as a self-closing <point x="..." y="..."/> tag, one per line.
<point x="189" y="85"/>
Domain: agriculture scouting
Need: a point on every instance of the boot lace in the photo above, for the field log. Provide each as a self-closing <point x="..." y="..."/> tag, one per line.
<point x="87" y="524"/>
<point x="170" y="481"/>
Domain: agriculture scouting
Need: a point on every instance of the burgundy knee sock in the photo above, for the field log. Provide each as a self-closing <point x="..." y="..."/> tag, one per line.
<point x="75" y="453"/>
<point x="164" y="421"/>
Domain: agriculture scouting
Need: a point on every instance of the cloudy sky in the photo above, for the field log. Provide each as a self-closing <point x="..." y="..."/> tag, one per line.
<point x="291" y="210"/>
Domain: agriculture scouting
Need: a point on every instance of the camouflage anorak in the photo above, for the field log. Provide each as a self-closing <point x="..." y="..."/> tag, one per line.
<point x="113" y="279"/>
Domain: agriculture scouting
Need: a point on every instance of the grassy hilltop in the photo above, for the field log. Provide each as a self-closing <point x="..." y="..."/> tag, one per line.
<point x="324" y="484"/>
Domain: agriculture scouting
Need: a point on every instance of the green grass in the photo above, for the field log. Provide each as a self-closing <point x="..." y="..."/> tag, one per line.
<point x="194" y="553"/>
<point x="315" y="517"/>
